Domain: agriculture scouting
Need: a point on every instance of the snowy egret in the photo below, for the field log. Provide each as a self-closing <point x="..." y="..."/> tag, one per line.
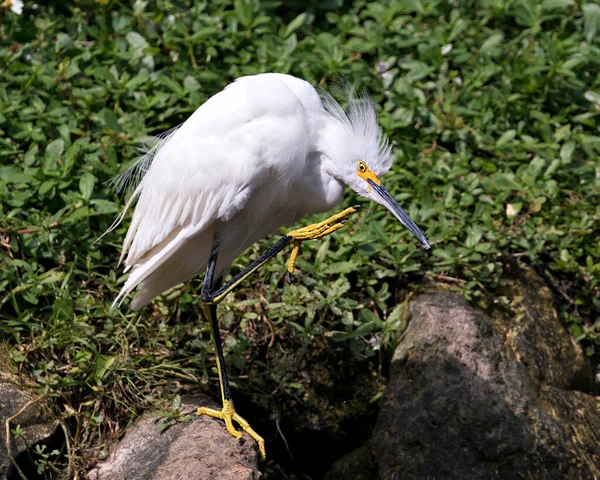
<point x="265" y="152"/>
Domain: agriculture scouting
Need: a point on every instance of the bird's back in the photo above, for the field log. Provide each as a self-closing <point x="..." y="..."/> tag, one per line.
<point x="225" y="172"/>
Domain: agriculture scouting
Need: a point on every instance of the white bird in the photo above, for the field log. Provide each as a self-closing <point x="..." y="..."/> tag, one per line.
<point x="263" y="153"/>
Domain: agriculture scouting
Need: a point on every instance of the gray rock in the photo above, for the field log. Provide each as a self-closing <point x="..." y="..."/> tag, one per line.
<point x="201" y="449"/>
<point x="506" y="395"/>
<point x="361" y="464"/>
<point x="36" y="421"/>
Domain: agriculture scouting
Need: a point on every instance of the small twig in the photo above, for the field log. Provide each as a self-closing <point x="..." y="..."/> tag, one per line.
<point x="405" y="306"/>
<point x="556" y="284"/>
<point x="62" y="424"/>
<point x="4" y="243"/>
<point x="8" y="438"/>
<point x="437" y="242"/>
<point x="430" y="150"/>
<point x="440" y="85"/>
<point x="192" y="57"/>
<point x="37" y="229"/>
<point x="84" y="43"/>
<point x="446" y="278"/>
<point x="271" y="329"/>
<point x="287" y="447"/>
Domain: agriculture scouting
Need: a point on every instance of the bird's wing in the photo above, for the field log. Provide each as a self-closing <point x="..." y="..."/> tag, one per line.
<point x="207" y="169"/>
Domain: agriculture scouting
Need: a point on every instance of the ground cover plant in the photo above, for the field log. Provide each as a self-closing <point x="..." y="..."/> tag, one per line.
<point x="492" y="107"/>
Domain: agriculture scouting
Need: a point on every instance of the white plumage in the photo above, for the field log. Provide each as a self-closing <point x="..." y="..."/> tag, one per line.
<point x="263" y="153"/>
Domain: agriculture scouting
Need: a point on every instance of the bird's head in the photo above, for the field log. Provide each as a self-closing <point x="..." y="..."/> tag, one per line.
<point x="360" y="153"/>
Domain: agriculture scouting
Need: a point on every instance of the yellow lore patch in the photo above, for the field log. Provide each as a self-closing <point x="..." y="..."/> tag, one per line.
<point x="364" y="172"/>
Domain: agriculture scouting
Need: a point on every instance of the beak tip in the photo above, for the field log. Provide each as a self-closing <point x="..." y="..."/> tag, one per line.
<point x="425" y="243"/>
<point x="382" y="196"/>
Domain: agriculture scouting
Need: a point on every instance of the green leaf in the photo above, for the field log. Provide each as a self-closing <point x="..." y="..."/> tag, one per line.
<point x="46" y="186"/>
<point x="397" y="319"/>
<point x="86" y="185"/>
<point x="51" y="276"/>
<point x="410" y="6"/>
<point x="526" y="13"/>
<point x="62" y="40"/>
<point x="295" y="24"/>
<point x="104" y="206"/>
<point x="506" y="137"/>
<point x="106" y="75"/>
<point x="474" y="236"/>
<point x="191" y="84"/>
<point x="244" y="11"/>
<point x="172" y="84"/>
<point x="110" y="120"/>
<point x="553" y="4"/>
<point x="592" y="97"/>
<point x="591" y="18"/>
<point x="137" y="42"/>
<point x="31" y="155"/>
<point x="492" y="42"/>
<point x="340" y="267"/>
<point x="13" y="174"/>
<point x="566" y="151"/>
<point x="54" y="150"/>
<point x="103" y="365"/>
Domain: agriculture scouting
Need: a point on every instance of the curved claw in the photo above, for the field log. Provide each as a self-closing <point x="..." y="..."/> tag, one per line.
<point x="230" y="428"/>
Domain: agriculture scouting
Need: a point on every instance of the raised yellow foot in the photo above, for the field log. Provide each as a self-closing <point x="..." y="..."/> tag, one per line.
<point x="228" y="415"/>
<point x="314" y="231"/>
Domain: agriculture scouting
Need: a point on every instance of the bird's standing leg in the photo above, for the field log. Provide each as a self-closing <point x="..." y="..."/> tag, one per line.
<point x="314" y="231"/>
<point x="228" y="413"/>
<point x="212" y="294"/>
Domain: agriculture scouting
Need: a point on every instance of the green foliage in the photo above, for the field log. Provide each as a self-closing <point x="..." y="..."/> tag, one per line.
<point x="493" y="110"/>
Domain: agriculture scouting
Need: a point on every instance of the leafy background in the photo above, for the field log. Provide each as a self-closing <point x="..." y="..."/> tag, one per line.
<point x="492" y="107"/>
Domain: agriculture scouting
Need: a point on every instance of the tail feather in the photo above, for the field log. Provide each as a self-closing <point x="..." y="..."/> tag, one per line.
<point x="173" y="261"/>
<point x="120" y="217"/>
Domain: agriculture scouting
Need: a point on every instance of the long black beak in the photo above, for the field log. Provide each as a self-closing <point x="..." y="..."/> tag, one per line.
<point x="381" y="195"/>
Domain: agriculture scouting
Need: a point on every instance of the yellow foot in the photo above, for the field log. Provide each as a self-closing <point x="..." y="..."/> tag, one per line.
<point x="319" y="230"/>
<point x="314" y="231"/>
<point x="228" y="415"/>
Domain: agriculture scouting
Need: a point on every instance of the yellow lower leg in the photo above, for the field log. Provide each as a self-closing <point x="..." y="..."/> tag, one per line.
<point x="229" y="415"/>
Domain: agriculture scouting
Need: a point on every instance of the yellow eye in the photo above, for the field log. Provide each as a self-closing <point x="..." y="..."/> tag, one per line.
<point x="364" y="172"/>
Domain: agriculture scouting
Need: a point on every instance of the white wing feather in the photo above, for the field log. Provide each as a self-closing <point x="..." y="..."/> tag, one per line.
<point x="129" y="180"/>
<point x="205" y="172"/>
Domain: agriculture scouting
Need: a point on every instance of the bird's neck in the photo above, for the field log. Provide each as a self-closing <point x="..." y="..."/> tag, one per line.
<point x="317" y="190"/>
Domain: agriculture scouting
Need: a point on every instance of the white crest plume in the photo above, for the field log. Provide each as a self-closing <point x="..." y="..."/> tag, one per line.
<point x="359" y="122"/>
